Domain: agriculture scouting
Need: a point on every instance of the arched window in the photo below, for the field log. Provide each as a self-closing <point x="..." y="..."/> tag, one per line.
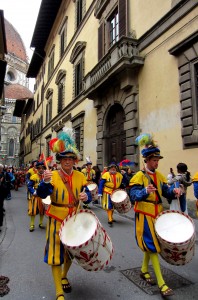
<point x="78" y="60"/>
<point x="49" y="96"/>
<point x="60" y="81"/>
<point x="11" y="148"/>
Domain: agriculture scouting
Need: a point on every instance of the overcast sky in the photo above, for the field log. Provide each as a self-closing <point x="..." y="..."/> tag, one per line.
<point x="22" y="14"/>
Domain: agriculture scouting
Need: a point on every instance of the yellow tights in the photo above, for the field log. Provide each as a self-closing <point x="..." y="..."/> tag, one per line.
<point x="156" y="266"/>
<point x="65" y="269"/>
<point x="110" y="215"/>
<point x="41" y="219"/>
<point x="56" y="272"/>
<point x="32" y="218"/>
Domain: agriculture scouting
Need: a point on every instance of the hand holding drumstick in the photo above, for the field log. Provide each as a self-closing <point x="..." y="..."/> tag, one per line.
<point x="150" y="188"/>
<point x="47" y="176"/>
<point x="83" y="196"/>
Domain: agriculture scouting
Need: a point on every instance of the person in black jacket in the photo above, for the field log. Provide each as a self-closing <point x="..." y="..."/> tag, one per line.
<point x="4" y="190"/>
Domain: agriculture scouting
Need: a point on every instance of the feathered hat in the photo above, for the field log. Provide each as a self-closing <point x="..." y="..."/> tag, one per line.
<point x="150" y="147"/>
<point x="88" y="160"/>
<point x="65" y="144"/>
<point x="126" y="163"/>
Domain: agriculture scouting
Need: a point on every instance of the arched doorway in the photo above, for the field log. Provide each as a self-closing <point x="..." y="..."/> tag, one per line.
<point x="115" y="137"/>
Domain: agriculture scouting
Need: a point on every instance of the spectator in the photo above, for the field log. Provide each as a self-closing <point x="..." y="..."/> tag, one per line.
<point x="183" y="180"/>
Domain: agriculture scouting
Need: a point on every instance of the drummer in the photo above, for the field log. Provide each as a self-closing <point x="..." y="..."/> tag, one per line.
<point x="32" y="170"/>
<point x="89" y="173"/>
<point x="147" y="188"/>
<point x="34" y="202"/>
<point x="110" y="181"/>
<point x="195" y="188"/>
<point x="67" y="187"/>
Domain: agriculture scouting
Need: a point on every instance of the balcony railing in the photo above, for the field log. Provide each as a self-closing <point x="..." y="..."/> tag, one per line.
<point x="122" y="54"/>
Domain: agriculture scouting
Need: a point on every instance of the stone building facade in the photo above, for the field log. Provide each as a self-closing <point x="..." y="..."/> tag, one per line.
<point x="15" y="87"/>
<point x="111" y="70"/>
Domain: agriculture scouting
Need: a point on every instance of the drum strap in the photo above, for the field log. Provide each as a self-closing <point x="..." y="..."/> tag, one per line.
<point x="75" y="202"/>
<point x="153" y="183"/>
<point x="70" y="205"/>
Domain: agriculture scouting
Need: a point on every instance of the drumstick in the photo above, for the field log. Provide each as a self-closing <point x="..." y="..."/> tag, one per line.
<point x="78" y="207"/>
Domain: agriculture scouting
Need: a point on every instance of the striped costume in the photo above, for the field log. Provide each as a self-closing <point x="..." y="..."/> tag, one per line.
<point x="59" y="210"/>
<point x="90" y="174"/>
<point x="35" y="205"/>
<point x="108" y="183"/>
<point x="147" y="207"/>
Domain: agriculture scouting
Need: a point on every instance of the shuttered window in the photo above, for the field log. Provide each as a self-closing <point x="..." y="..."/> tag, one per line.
<point x="78" y="78"/>
<point x="113" y="28"/>
<point x="122" y="11"/>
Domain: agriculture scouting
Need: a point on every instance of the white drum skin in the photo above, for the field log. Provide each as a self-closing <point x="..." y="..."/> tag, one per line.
<point x="85" y="238"/>
<point x="176" y="234"/>
<point x="121" y="201"/>
<point x="93" y="188"/>
<point x="46" y="202"/>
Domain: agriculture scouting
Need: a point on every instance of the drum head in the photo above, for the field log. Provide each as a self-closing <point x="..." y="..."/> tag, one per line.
<point x="47" y="200"/>
<point x="174" y="227"/>
<point x="77" y="231"/>
<point x="118" y="196"/>
<point x="92" y="186"/>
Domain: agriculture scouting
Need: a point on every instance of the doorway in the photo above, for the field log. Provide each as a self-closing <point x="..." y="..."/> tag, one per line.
<point x="115" y="143"/>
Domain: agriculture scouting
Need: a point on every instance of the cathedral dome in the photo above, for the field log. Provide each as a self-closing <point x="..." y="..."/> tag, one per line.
<point x="17" y="91"/>
<point x="14" y="42"/>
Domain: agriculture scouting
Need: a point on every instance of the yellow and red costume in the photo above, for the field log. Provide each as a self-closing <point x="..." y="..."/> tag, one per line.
<point x="35" y="205"/>
<point x="90" y="174"/>
<point x="148" y="206"/>
<point x="61" y="206"/>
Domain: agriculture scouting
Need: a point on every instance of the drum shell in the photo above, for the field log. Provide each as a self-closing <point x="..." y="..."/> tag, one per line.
<point x="95" y="253"/>
<point x="94" y="192"/>
<point x="177" y="253"/>
<point x="124" y="205"/>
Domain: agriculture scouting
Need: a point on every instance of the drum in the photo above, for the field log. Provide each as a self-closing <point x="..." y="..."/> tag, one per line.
<point x="46" y="202"/>
<point x="176" y="234"/>
<point x="93" y="188"/>
<point x="85" y="238"/>
<point x="121" y="201"/>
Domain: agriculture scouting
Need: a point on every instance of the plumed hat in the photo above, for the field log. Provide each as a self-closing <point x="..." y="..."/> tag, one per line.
<point x="64" y="145"/>
<point x="150" y="147"/>
<point x="88" y="160"/>
<point x="126" y="164"/>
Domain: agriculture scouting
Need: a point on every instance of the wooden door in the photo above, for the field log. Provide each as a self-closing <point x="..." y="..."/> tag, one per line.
<point x="116" y="136"/>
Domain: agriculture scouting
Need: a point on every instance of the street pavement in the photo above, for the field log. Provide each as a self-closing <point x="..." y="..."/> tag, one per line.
<point x="21" y="259"/>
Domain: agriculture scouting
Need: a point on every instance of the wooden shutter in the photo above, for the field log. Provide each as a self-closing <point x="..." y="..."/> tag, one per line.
<point x="100" y="41"/>
<point x="122" y="11"/>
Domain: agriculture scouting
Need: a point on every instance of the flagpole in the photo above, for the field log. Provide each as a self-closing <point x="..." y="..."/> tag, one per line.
<point x="45" y="161"/>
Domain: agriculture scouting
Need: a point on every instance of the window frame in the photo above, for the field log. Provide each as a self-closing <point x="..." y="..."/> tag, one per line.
<point x="51" y="62"/>
<point x="63" y="37"/>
